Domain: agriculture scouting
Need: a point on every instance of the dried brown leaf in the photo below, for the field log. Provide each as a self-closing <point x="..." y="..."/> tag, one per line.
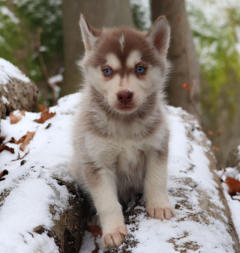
<point x="233" y="185"/>
<point x="95" y="231"/>
<point x="42" y="108"/>
<point x="45" y="115"/>
<point x="27" y="138"/>
<point x="5" y="147"/>
<point x="215" y="148"/>
<point x="210" y="132"/>
<point x="186" y="86"/>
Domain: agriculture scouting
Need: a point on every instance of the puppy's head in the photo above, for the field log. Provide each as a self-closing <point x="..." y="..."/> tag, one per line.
<point x="125" y="66"/>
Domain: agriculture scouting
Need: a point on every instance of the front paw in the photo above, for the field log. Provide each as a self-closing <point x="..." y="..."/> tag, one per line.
<point x="115" y="237"/>
<point x="160" y="212"/>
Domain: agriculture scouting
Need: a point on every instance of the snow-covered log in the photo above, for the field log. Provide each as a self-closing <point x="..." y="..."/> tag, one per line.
<point x="203" y="222"/>
<point x="38" y="195"/>
<point x="16" y="90"/>
<point x="41" y="210"/>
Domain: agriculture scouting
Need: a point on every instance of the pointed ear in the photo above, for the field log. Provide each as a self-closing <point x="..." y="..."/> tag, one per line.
<point x="89" y="34"/>
<point x="159" y="35"/>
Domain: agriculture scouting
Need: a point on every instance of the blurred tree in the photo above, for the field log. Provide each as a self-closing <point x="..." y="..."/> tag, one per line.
<point x="183" y="85"/>
<point x="138" y="17"/>
<point x="217" y="39"/>
<point x="104" y="13"/>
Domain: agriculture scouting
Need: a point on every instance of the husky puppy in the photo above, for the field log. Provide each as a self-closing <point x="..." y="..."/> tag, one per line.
<point x="120" y="131"/>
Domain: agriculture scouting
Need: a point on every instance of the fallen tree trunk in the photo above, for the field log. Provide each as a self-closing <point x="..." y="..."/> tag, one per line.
<point x="50" y="212"/>
<point x="16" y="90"/>
<point x="39" y="186"/>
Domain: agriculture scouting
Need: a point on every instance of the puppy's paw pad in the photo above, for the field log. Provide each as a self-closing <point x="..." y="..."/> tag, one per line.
<point x="114" y="238"/>
<point x="161" y="213"/>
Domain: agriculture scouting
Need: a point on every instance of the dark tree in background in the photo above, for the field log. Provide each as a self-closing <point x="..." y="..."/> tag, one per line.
<point x="104" y="13"/>
<point x="183" y="85"/>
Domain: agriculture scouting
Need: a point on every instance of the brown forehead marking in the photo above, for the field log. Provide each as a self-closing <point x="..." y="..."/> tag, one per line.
<point x="133" y="40"/>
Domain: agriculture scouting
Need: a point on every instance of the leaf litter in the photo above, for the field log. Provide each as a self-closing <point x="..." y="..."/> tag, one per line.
<point x="45" y="114"/>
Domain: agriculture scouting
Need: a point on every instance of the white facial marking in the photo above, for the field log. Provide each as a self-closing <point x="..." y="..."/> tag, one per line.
<point x="113" y="61"/>
<point x="133" y="58"/>
<point x="122" y="42"/>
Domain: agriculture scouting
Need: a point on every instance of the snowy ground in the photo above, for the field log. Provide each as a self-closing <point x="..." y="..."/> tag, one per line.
<point x="28" y="189"/>
<point x="173" y="236"/>
<point x="9" y="71"/>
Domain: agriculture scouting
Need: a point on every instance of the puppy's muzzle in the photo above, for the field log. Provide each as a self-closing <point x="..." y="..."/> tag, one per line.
<point x="125" y="97"/>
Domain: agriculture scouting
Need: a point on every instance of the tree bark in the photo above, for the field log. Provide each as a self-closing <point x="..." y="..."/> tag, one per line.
<point x="69" y="229"/>
<point x="183" y="85"/>
<point x="17" y="94"/>
<point x="105" y="13"/>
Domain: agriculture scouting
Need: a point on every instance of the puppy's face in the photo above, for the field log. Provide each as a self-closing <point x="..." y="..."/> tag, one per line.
<point x="125" y="66"/>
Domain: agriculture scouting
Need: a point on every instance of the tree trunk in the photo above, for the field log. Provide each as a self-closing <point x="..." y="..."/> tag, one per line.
<point x="105" y="13"/>
<point x="69" y="229"/>
<point x="17" y="95"/>
<point x="183" y="85"/>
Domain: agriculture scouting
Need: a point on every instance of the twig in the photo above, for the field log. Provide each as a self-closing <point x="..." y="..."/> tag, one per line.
<point x="19" y="157"/>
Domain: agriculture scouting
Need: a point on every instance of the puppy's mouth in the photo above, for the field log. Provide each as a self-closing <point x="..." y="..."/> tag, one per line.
<point x="129" y="107"/>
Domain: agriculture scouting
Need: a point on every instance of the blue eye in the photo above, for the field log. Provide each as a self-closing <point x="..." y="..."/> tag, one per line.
<point x="107" y="71"/>
<point x="140" y="69"/>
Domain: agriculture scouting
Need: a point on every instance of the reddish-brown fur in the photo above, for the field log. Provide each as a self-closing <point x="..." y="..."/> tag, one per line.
<point x="134" y="40"/>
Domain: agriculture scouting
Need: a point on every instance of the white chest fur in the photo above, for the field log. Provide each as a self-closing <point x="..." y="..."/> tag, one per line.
<point x="108" y="152"/>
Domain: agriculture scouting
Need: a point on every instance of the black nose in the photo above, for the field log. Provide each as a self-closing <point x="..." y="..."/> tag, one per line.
<point x="125" y="97"/>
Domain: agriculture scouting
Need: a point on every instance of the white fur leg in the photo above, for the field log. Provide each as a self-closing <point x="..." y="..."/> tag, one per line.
<point x="104" y="195"/>
<point x="155" y="187"/>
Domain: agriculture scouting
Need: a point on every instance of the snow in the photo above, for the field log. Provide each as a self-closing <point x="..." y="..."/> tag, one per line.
<point x="56" y="79"/>
<point x="216" y="14"/>
<point x="30" y="188"/>
<point x="18" y="214"/>
<point x="212" y="237"/>
<point x="6" y="12"/>
<point x="9" y="71"/>
<point x="145" y="8"/>
<point x="234" y="205"/>
<point x="5" y="100"/>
